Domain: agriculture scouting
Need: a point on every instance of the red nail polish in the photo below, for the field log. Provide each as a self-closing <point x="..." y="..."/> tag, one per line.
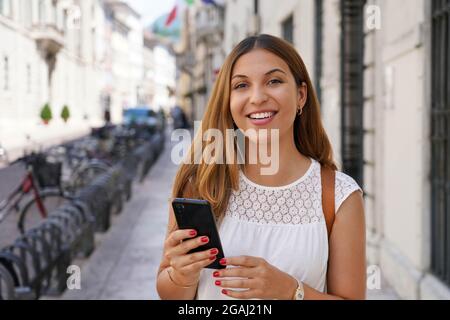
<point x="224" y="291"/>
<point x="192" y="233"/>
<point x="217" y="283"/>
<point x="223" y="261"/>
<point x="204" y="239"/>
<point x="212" y="258"/>
<point x="216" y="274"/>
<point x="214" y="251"/>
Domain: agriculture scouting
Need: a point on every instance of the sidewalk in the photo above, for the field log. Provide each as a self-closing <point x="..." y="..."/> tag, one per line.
<point x="125" y="262"/>
<point x="31" y="135"/>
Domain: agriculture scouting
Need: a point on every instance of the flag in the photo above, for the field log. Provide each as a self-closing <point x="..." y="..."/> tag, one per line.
<point x="172" y="15"/>
<point x="179" y="6"/>
<point x="214" y="2"/>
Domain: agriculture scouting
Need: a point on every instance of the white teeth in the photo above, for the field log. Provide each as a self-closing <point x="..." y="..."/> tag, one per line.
<point x="262" y="115"/>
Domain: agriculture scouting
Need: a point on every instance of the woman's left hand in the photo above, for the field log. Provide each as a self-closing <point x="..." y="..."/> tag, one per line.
<point x="261" y="279"/>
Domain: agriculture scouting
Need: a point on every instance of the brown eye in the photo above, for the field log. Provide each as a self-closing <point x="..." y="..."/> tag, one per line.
<point x="240" y="86"/>
<point x="275" y="81"/>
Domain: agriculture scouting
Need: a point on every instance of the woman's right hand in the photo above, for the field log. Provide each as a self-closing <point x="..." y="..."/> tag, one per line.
<point x="186" y="267"/>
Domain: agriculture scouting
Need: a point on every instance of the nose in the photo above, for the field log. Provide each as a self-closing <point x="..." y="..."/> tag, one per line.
<point x="258" y="96"/>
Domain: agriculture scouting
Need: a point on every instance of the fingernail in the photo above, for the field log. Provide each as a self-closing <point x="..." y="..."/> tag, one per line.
<point x="214" y="251"/>
<point x="218" y="283"/>
<point x="216" y="274"/>
<point x="204" y="239"/>
<point x="224" y="291"/>
<point x="223" y="261"/>
<point x="212" y="258"/>
<point x="192" y="233"/>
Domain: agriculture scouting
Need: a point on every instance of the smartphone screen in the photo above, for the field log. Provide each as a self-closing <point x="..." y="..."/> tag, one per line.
<point x="197" y="214"/>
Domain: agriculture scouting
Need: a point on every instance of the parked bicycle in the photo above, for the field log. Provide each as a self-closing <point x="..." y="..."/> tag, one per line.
<point x="37" y="194"/>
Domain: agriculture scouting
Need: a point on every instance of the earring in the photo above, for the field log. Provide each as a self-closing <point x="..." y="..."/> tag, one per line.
<point x="299" y="111"/>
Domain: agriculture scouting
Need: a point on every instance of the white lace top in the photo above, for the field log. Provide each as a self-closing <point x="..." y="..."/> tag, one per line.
<point x="284" y="225"/>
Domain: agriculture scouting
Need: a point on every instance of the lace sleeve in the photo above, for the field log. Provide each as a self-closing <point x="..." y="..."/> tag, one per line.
<point x="345" y="186"/>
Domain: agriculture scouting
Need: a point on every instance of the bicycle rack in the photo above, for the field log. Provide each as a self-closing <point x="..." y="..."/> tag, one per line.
<point x="6" y="284"/>
<point x="87" y="241"/>
<point x="36" y="263"/>
<point x="84" y="240"/>
<point x="18" y="270"/>
<point x="55" y="273"/>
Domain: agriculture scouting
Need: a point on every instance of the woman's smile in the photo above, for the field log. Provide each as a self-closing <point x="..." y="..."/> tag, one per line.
<point x="261" y="118"/>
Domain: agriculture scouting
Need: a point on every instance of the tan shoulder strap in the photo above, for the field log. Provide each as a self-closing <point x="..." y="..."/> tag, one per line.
<point x="328" y="180"/>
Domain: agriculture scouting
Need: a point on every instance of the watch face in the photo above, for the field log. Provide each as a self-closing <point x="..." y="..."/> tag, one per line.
<point x="299" y="295"/>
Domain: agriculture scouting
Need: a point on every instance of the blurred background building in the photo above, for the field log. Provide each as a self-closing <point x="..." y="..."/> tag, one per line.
<point x="91" y="55"/>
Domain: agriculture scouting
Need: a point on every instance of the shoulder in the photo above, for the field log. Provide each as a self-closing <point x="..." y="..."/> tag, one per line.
<point x="345" y="186"/>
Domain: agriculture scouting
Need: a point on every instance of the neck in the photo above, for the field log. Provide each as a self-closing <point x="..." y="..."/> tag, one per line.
<point x="291" y="163"/>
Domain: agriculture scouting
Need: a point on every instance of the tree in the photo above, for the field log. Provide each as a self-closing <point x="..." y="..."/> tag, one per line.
<point x="65" y="113"/>
<point x="46" y="113"/>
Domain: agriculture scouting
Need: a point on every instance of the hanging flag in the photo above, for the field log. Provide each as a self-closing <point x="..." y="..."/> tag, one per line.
<point x="214" y="2"/>
<point x="179" y="6"/>
<point x="172" y="15"/>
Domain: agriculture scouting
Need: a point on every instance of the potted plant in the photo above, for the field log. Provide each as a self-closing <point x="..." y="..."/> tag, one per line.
<point x="46" y="113"/>
<point x="65" y="113"/>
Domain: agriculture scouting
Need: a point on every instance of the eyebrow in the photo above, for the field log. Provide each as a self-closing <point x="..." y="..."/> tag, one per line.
<point x="266" y="74"/>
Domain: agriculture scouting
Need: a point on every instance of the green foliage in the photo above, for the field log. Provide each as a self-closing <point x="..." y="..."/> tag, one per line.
<point x="46" y="113"/>
<point x="65" y="113"/>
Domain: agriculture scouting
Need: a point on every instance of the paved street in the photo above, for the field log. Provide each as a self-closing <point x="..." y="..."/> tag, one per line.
<point x="125" y="263"/>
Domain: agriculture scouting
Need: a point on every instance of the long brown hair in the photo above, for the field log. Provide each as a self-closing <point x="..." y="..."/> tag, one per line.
<point x="214" y="182"/>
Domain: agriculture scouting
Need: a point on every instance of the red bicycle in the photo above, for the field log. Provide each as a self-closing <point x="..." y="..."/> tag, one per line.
<point x="41" y="186"/>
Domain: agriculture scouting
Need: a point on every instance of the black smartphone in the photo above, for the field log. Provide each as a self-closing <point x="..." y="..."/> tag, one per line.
<point x="197" y="214"/>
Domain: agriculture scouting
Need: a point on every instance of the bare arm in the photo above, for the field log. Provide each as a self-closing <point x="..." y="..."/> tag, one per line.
<point x="347" y="261"/>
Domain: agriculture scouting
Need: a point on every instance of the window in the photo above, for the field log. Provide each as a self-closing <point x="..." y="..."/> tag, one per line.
<point x="352" y="85"/>
<point x="28" y="78"/>
<point x="5" y="74"/>
<point x="318" y="47"/>
<point x="288" y="29"/>
<point x="5" y="7"/>
<point x="440" y="133"/>
<point x="42" y="16"/>
<point x="27" y="14"/>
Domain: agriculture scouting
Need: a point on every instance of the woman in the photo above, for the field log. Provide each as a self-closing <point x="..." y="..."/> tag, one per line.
<point x="272" y="226"/>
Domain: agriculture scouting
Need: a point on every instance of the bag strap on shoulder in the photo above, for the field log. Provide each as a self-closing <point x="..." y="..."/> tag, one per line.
<point x="328" y="181"/>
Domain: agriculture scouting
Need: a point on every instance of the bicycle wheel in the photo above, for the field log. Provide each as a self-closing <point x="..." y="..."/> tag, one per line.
<point x="86" y="174"/>
<point x="30" y="215"/>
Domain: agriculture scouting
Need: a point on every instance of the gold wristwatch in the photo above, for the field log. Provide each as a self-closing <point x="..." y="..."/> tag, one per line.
<point x="299" y="292"/>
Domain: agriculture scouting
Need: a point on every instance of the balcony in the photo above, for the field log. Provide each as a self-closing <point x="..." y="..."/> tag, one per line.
<point x="48" y="38"/>
<point x="209" y="25"/>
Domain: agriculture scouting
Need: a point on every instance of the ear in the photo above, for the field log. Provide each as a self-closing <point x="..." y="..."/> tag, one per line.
<point x="302" y="94"/>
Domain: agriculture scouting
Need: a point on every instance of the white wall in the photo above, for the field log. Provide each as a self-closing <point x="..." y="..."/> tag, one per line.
<point x="164" y="77"/>
<point x="78" y="79"/>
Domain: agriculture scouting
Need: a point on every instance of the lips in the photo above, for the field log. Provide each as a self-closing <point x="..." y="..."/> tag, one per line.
<point x="261" y="115"/>
<point x="261" y="118"/>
